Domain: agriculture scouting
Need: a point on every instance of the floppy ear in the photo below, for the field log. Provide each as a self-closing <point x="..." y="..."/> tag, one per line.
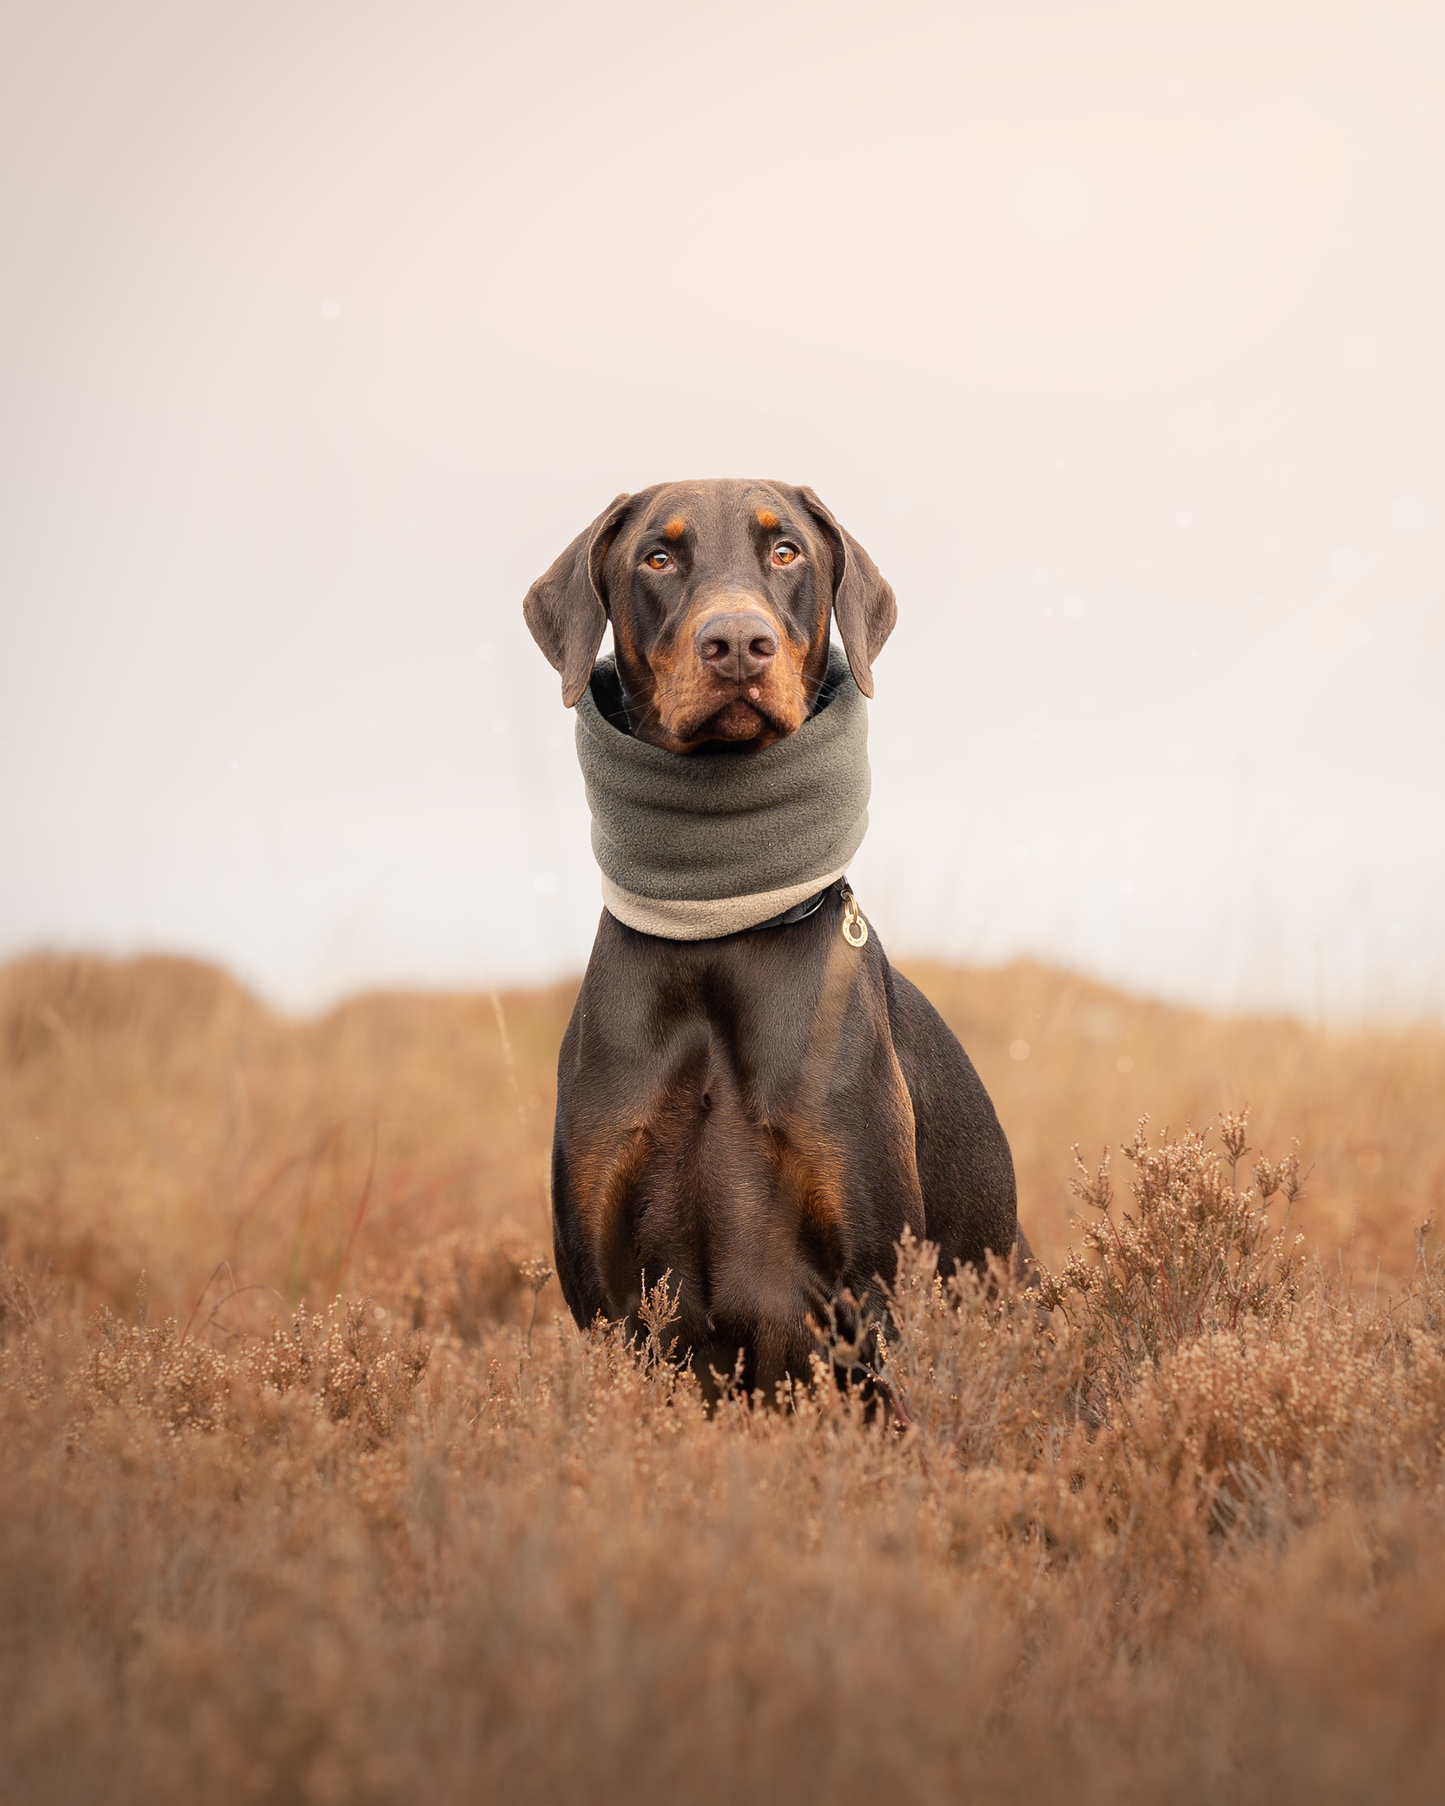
<point x="564" y="609"/>
<point x="863" y="604"/>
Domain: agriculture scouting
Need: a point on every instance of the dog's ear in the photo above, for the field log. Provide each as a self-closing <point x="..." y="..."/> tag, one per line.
<point x="564" y="609"/>
<point x="863" y="604"/>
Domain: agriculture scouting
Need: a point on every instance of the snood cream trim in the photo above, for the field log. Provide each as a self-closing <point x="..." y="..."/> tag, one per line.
<point x="681" y="920"/>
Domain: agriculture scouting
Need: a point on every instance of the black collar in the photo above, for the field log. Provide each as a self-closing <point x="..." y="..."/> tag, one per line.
<point x="801" y="911"/>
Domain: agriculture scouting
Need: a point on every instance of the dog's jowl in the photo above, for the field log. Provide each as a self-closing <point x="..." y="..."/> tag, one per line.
<point x="749" y="1096"/>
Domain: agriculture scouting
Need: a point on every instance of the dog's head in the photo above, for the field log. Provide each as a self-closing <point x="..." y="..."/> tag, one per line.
<point x="720" y="595"/>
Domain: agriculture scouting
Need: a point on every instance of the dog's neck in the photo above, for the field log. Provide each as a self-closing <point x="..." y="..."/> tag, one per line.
<point x="704" y="844"/>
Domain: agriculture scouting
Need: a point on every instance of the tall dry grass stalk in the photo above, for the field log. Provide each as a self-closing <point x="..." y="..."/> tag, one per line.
<point x="1178" y="1537"/>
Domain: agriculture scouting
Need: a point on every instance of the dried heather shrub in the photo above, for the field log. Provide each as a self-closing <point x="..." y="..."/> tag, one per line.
<point x="311" y="1563"/>
<point x="1180" y="1536"/>
<point x="466" y="1283"/>
<point x="1194" y="1257"/>
<point x="351" y="1366"/>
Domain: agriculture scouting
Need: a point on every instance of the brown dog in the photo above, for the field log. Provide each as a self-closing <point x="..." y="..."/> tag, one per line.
<point x="762" y="1114"/>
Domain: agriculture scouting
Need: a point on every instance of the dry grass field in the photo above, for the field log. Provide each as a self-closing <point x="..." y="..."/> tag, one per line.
<point x="307" y="1493"/>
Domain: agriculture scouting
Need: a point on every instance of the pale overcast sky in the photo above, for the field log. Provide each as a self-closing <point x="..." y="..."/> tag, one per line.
<point x="1115" y="332"/>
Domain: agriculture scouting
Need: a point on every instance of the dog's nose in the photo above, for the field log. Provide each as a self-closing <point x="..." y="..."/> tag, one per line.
<point x="738" y="646"/>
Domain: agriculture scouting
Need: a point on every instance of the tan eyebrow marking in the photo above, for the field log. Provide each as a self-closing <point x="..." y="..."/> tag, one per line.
<point x="676" y="527"/>
<point x="766" y="518"/>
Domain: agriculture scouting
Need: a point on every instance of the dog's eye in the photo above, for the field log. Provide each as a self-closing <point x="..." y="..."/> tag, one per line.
<point x="783" y="553"/>
<point x="658" y="561"/>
